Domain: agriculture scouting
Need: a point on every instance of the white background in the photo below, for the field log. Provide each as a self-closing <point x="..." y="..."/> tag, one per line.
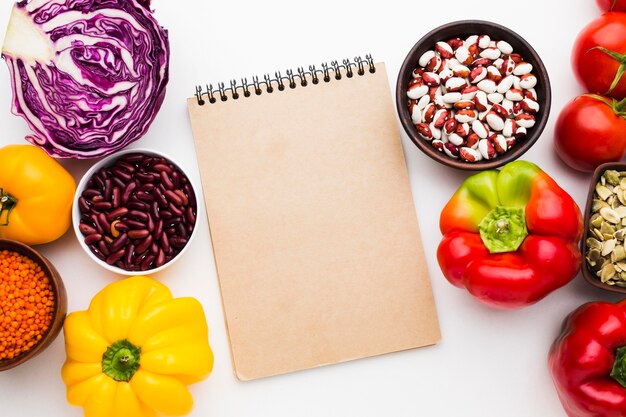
<point x="489" y="363"/>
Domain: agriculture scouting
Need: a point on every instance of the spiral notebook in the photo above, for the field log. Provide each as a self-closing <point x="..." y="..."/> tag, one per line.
<point x="314" y="230"/>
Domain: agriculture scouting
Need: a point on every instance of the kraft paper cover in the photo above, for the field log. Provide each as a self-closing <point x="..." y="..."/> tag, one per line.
<point x="314" y="231"/>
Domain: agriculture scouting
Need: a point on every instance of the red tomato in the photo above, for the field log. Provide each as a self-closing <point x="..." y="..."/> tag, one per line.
<point x="612" y="5"/>
<point x="589" y="132"/>
<point x="600" y="71"/>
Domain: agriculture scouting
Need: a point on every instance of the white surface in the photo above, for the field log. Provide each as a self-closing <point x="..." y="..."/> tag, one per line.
<point x="489" y="363"/>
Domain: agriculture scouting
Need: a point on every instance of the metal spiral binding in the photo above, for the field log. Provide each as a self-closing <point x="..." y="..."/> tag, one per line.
<point x="281" y="82"/>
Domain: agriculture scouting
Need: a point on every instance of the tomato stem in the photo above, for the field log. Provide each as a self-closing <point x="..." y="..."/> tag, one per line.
<point x="621" y="58"/>
<point x="7" y="204"/>
<point x="618" y="107"/>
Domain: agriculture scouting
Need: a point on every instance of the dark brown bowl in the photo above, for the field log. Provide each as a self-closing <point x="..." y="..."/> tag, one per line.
<point x="464" y="29"/>
<point x="589" y="276"/>
<point x="60" y="307"/>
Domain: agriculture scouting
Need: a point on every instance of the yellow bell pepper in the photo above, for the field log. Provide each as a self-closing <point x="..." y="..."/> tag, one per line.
<point x="36" y="195"/>
<point x="135" y="350"/>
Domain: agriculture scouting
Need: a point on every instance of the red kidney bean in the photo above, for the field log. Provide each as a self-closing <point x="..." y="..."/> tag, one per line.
<point x="116" y="197"/>
<point x="102" y="221"/>
<point x="150" y="224"/>
<point x="85" y="229"/>
<point x="162" y="167"/>
<point x="146" y="187"/>
<point x="90" y="193"/>
<point x="158" y="229"/>
<point x="190" y="228"/>
<point x="182" y="230"/>
<point x="190" y="194"/>
<point x="119" y="183"/>
<point x="108" y="189"/>
<point x="166" y="214"/>
<point x="102" y="245"/>
<point x="130" y="252"/>
<point x="93" y="238"/>
<point x="138" y="234"/>
<point x="145" y="197"/>
<point x="160" y="258"/>
<point x="121" y="227"/>
<point x="97" y="252"/>
<point x="134" y="224"/>
<point x="144" y="177"/>
<point x="173" y="197"/>
<point x="183" y="197"/>
<point x="167" y="182"/>
<point x="117" y="213"/>
<point x="107" y="239"/>
<point x="177" y="211"/>
<point x="102" y="205"/>
<point x="98" y="181"/>
<point x="128" y="167"/>
<point x="154" y="249"/>
<point x="160" y="198"/>
<point x="154" y="210"/>
<point x="145" y="264"/>
<point x="120" y="242"/>
<point x="137" y="205"/>
<point x="175" y="179"/>
<point x="119" y="173"/>
<point x="133" y="158"/>
<point x="178" y="242"/>
<point x="82" y="204"/>
<point x="128" y="191"/>
<point x="170" y="231"/>
<point x="190" y="216"/>
<point x="116" y="256"/>
<point x="144" y="245"/>
<point x="138" y="215"/>
<point x="97" y="199"/>
<point x="165" y="243"/>
<point x="96" y="224"/>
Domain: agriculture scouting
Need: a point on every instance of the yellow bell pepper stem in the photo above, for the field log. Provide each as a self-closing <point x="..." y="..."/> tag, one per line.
<point x="121" y="360"/>
<point x="7" y="203"/>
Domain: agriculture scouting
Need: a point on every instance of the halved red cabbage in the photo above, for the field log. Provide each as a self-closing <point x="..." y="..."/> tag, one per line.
<point x="88" y="76"/>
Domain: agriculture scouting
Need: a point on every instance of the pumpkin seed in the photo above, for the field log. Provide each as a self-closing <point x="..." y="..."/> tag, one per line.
<point x="603" y="192"/>
<point x="607" y="272"/>
<point x="593" y="243"/>
<point x="619" y="254"/>
<point x="608" y="246"/>
<point x="596" y="220"/>
<point x="610" y="215"/>
<point x="606" y="236"/>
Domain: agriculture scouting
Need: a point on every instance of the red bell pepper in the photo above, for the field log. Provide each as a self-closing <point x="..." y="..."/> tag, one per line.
<point x="588" y="361"/>
<point x="510" y="237"/>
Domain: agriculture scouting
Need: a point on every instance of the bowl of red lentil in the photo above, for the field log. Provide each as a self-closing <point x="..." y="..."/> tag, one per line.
<point x="33" y="303"/>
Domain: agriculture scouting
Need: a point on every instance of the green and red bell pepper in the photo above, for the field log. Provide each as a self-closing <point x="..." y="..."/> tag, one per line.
<point x="588" y="361"/>
<point x="510" y="237"/>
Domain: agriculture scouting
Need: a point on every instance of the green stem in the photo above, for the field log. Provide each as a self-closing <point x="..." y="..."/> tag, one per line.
<point x="618" y="372"/>
<point x="7" y="204"/>
<point x="121" y="360"/>
<point x="618" y="107"/>
<point x="621" y="59"/>
<point x="503" y="229"/>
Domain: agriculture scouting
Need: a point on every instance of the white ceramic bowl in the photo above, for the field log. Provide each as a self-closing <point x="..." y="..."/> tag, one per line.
<point x="76" y="211"/>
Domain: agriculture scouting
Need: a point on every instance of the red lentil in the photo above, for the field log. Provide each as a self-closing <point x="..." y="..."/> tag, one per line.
<point x="26" y="304"/>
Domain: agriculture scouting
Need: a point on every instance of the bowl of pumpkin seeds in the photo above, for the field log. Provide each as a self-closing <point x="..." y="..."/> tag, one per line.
<point x="604" y="245"/>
